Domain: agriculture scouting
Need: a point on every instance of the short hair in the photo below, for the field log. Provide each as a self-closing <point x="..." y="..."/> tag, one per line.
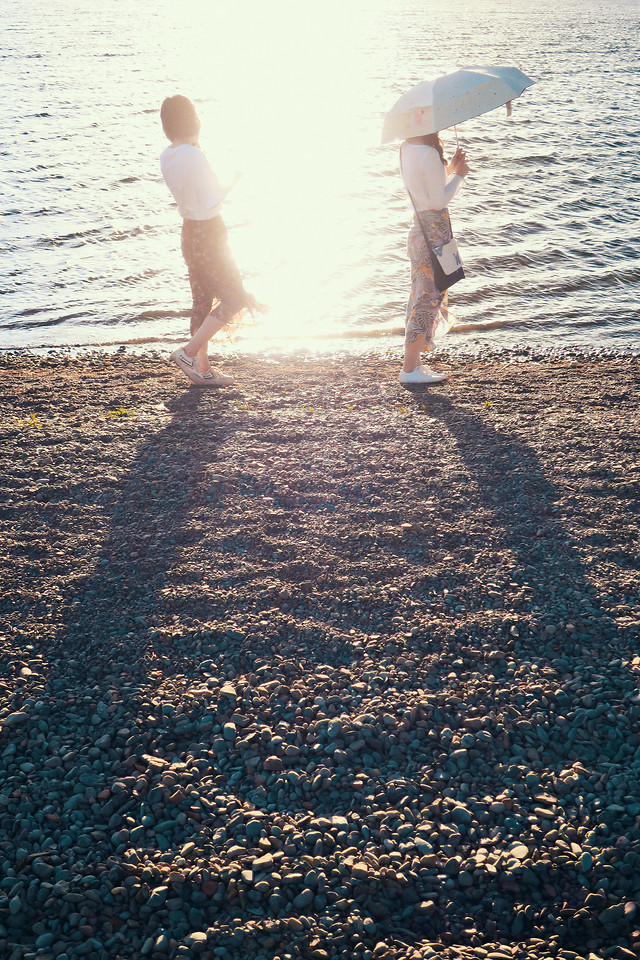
<point x="179" y="118"/>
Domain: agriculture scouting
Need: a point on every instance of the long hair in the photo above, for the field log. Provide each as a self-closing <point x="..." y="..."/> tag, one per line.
<point x="431" y="140"/>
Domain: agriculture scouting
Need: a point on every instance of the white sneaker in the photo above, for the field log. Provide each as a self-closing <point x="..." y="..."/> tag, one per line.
<point x="422" y="374"/>
<point x="215" y="378"/>
<point x="188" y="365"/>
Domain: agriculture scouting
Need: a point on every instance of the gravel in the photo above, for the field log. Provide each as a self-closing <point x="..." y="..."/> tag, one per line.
<point x="318" y="666"/>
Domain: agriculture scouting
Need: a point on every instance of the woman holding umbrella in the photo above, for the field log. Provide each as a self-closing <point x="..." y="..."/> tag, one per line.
<point x="431" y="184"/>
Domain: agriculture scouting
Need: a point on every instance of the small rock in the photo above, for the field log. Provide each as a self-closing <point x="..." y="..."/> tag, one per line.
<point x="158" y="896"/>
<point x="272" y="763"/>
<point x="303" y="899"/>
<point x="586" y="862"/>
<point x="229" y="731"/>
<point x="197" y="937"/>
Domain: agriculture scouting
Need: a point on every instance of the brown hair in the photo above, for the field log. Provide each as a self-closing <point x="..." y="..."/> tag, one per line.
<point x="431" y="140"/>
<point x="179" y="118"/>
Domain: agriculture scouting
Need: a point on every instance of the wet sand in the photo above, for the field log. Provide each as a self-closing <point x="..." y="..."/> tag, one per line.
<point x="319" y="666"/>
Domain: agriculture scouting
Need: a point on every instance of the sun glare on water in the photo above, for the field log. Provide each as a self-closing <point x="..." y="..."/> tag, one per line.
<point x="284" y="97"/>
<point x="294" y="95"/>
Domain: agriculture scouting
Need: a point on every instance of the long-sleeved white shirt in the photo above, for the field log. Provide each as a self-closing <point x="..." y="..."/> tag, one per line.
<point x="425" y="177"/>
<point x="192" y="182"/>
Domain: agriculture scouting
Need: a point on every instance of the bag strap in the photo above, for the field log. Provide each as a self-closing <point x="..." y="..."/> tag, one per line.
<point x="424" y="232"/>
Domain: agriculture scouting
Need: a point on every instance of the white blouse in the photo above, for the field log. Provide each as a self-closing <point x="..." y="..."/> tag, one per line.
<point x="192" y="182"/>
<point x="425" y="177"/>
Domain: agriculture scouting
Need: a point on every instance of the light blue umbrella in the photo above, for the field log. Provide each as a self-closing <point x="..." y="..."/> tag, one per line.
<point x="435" y="105"/>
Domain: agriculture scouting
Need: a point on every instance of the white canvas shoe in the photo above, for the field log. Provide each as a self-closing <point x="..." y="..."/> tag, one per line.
<point x="188" y="365"/>
<point x="422" y="374"/>
<point x="215" y="378"/>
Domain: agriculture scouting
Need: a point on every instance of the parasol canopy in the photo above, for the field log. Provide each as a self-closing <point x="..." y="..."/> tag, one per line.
<point x="434" y="105"/>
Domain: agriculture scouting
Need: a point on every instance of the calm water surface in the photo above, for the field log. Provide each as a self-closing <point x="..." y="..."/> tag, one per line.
<point x="293" y="94"/>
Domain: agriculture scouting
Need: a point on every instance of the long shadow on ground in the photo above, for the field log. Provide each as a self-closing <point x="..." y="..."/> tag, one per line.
<point x="236" y="745"/>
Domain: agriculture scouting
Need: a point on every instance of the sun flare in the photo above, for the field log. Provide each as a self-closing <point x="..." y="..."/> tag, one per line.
<point x="284" y="98"/>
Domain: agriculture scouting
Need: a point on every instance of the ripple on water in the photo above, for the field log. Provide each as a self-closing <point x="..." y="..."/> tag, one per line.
<point x="547" y="222"/>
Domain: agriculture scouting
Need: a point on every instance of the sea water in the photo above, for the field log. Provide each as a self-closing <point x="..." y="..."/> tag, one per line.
<point x="293" y="94"/>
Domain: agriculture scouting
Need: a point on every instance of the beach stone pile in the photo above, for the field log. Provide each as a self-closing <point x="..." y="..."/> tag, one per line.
<point x="319" y="667"/>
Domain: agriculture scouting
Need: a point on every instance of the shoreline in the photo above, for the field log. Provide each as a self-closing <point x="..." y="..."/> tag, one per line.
<point x="333" y="348"/>
<point x="320" y="665"/>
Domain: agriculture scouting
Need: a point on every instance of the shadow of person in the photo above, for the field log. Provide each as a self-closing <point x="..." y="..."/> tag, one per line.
<point x="533" y="669"/>
<point x="145" y="521"/>
<point x="176" y="741"/>
<point x="95" y="716"/>
<point x="510" y="519"/>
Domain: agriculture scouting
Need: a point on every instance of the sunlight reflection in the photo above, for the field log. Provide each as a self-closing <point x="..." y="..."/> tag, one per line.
<point x="284" y="99"/>
<point x="294" y="95"/>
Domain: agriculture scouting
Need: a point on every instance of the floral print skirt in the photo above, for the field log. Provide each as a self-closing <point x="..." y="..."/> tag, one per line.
<point x="213" y="273"/>
<point x="427" y="309"/>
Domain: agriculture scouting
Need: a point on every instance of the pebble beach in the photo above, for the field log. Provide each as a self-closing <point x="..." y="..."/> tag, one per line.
<point x="319" y="666"/>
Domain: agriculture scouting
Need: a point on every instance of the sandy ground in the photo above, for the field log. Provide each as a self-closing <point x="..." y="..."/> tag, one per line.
<point x="338" y="667"/>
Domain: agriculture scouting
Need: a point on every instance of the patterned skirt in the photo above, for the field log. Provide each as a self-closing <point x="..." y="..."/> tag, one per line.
<point x="427" y="309"/>
<point x="213" y="273"/>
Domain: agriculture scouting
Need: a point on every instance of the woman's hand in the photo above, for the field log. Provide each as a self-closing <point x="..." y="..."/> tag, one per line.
<point x="237" y="176"/>
<point x="458" y="164"/>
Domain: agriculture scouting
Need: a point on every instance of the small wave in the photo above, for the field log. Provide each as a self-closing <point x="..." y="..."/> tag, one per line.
<point x="131" y="342"/>
<point x="36" y="324"/>
<point x="352" y="333"/>
<point x="498" y="325"/>
<point x="82" y="235"/>
<point x="124" y="234"/>
<point x="29" y="311"/>
<point x="547" y="160"/>
<point x="136" y="278"/>
<point x="595" y="281"/>
<point x="487" y="325"/>
<point x="92" y="235"/>
<point x="159" y="315"/>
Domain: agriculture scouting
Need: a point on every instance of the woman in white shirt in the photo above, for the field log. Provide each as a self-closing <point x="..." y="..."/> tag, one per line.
<point x="431" y="183"/>
<point x="213" y="274"/>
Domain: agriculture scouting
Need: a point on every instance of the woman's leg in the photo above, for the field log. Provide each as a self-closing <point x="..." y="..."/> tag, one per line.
<point x="196" y="323"/>
<point x="219" y="317"/>
<point x="202" y="353"/>
<point x="415" y="336"/>
<point x="211" y="325"/>
<point x="422" y="313"/>
<point x="222" y="282"/>
<point x="412" y="353"/>
<point x="426" y="313"/>
<point x="203" y="360"/>
<point x="214" y="276"/>
<point x="202" y="294"/>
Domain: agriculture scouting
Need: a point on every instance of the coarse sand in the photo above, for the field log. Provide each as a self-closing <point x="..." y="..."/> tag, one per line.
<point x="319" y="666"/>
